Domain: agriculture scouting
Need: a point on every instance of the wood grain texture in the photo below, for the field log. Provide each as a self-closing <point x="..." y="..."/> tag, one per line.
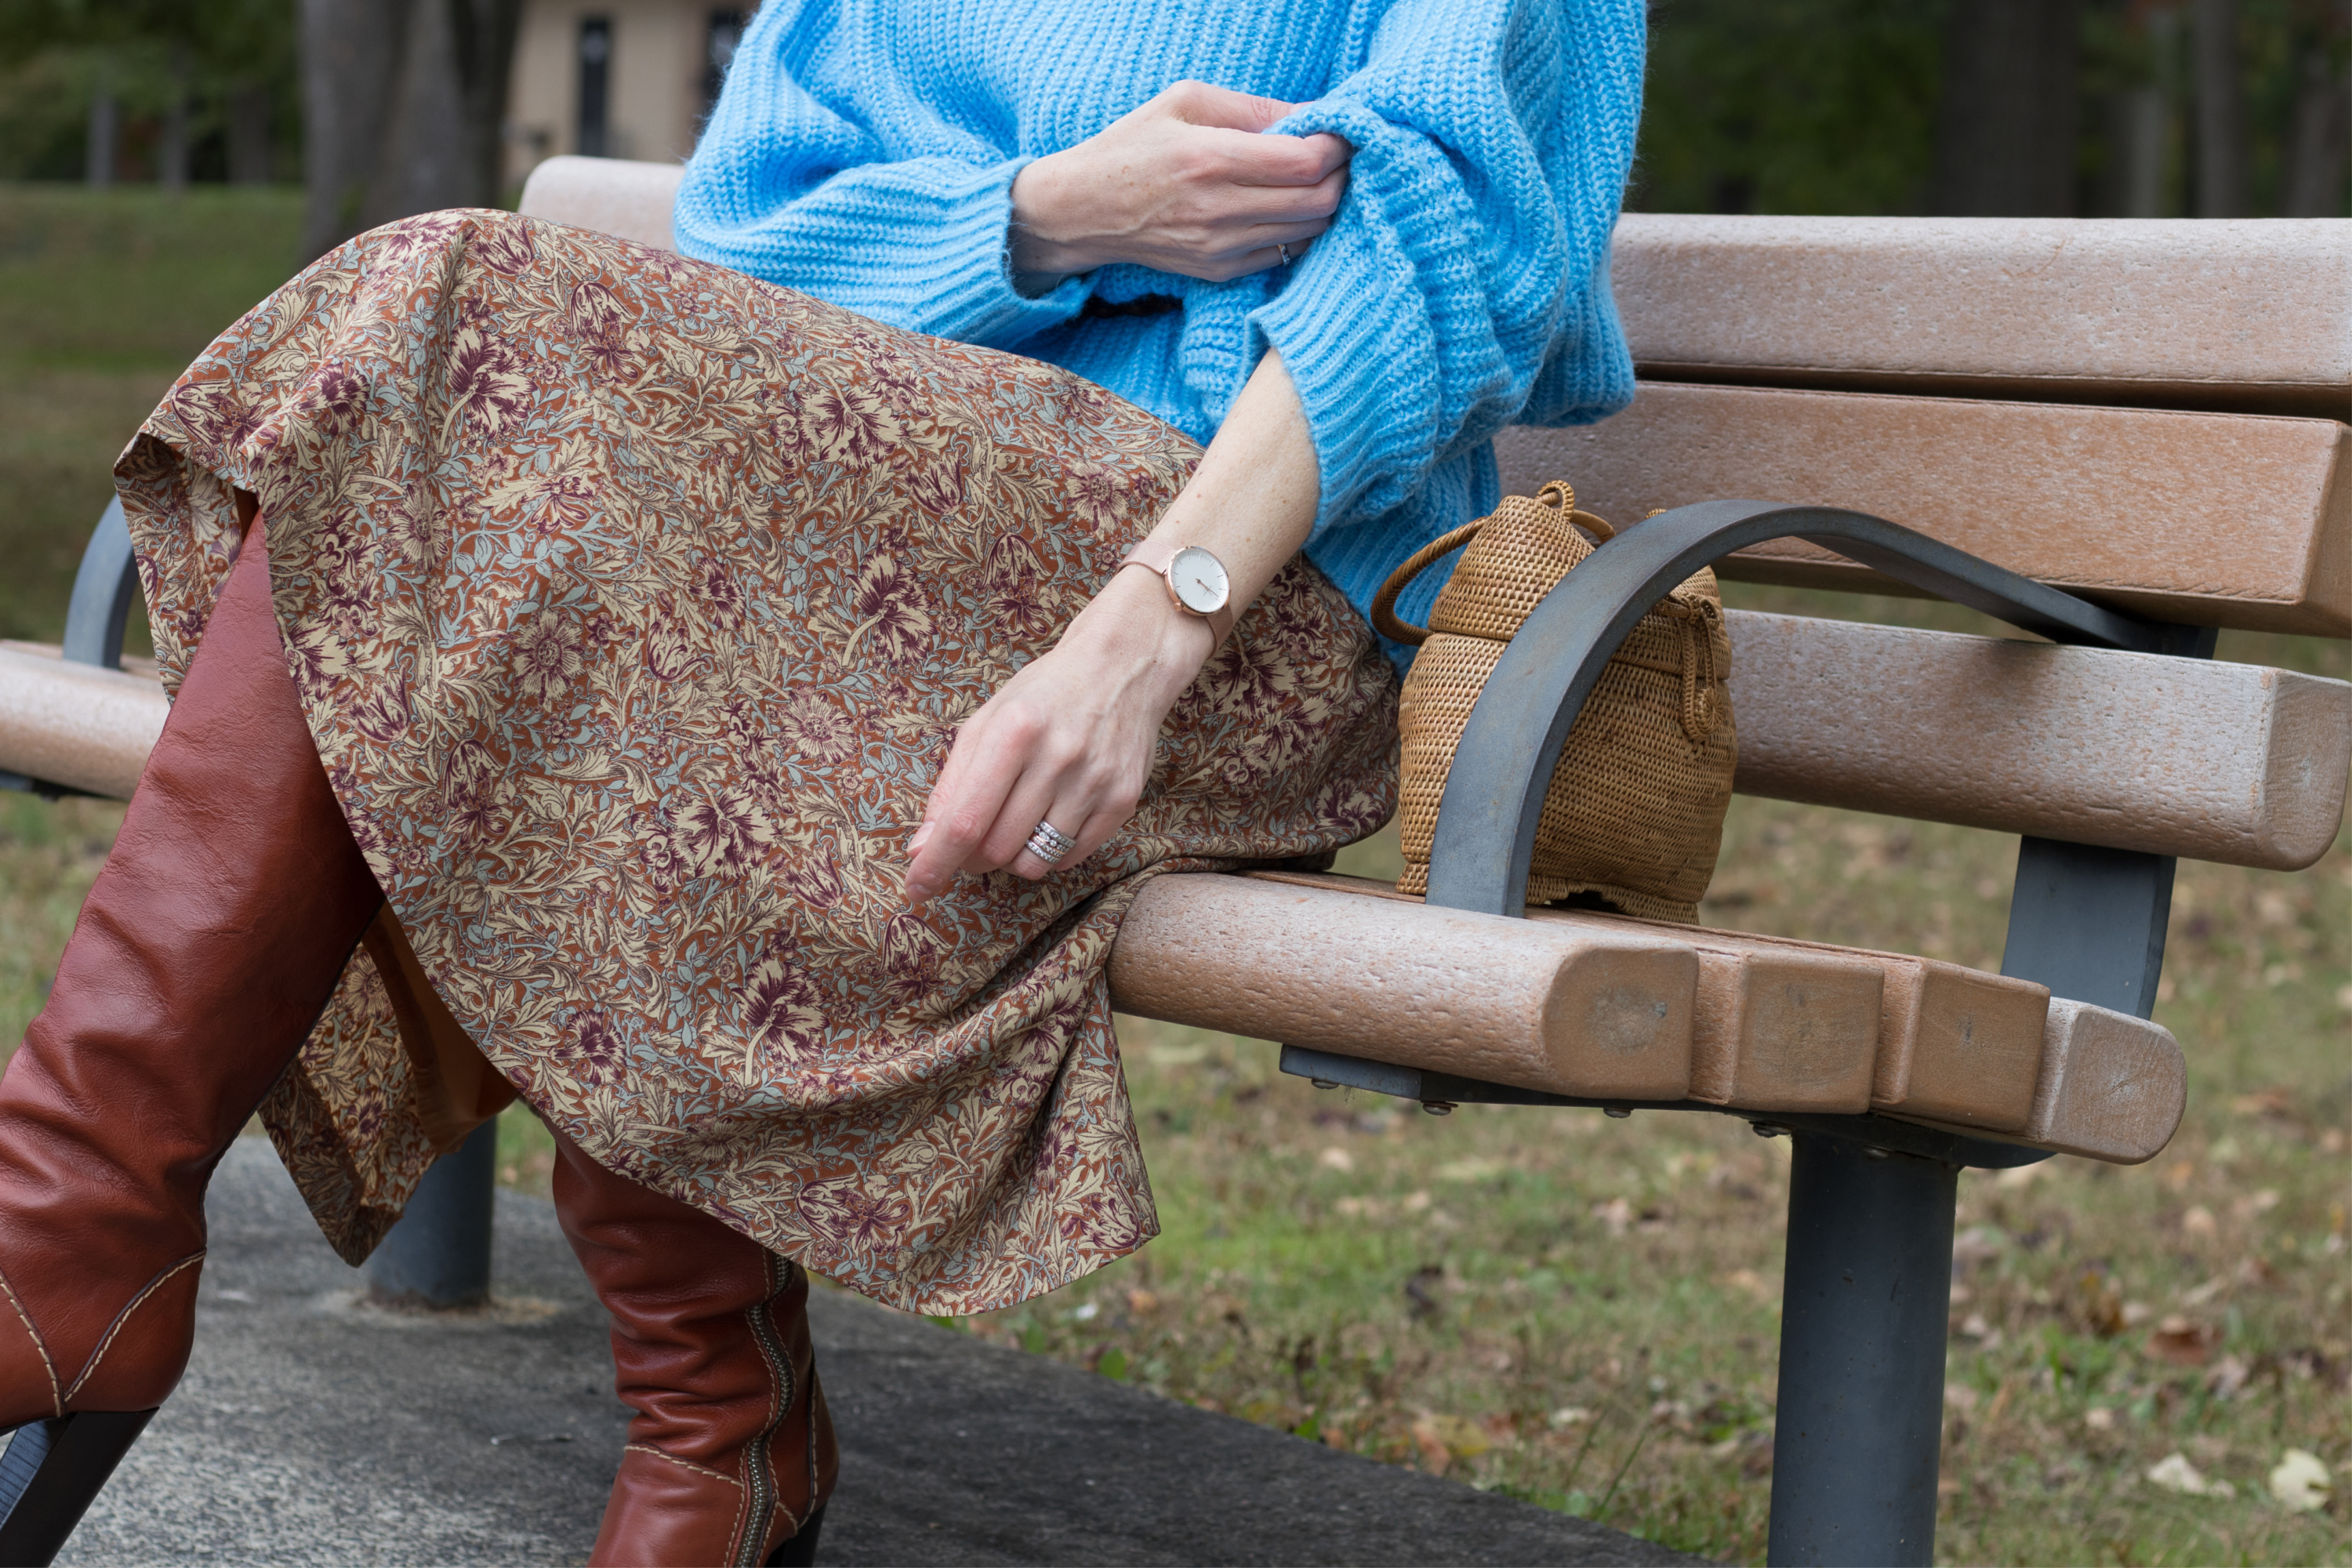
<point x="2112" y="1087"/>
<point x="2218" y="519"/>
<point x="612" y="195"/>
<point x="1953" y="1044"/>
<point x="1542" y="1008"/>
<point x="2230" y="762"/>
<point x="1776" y="1028"/>
<point x="75" y="725"/>
<point x="2252" y="314"/>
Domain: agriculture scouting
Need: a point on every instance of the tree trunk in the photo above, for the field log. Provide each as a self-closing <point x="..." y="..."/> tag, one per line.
<point x="2224" y="179"/>
<point x="2317" y="157"/>
<point x="103" y="143"/>
<point x="2005" y="129"/>
<point x="177" y="150"/>
<point x="352" y="57"/>
<point x="250" y="160"/>
<point x="405" y="100"/>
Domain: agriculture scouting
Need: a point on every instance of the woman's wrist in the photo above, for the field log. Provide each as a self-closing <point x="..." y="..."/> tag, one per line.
<point x="1135" y="622"/>
<point x="1044" y="244"/>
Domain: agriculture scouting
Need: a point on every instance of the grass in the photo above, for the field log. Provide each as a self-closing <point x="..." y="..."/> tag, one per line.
<point x="1578" y="1312"/>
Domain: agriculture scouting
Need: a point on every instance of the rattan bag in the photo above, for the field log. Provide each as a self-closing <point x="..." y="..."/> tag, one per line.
<point x="1634" y="813"/>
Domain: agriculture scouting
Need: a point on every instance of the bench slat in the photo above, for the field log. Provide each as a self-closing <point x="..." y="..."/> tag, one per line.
<point x="1542" y="1008"/>
<point x="613" y="196"/>
<point x="2192" y="313"/>
<point x="2210" y="761"/>
<point x="75" y="725"/>
<point x="1975" y="1053"/>
<point x="2216" y="519"/>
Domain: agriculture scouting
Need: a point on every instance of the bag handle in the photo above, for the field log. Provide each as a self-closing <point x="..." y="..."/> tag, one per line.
<point x="1390" y="625"/>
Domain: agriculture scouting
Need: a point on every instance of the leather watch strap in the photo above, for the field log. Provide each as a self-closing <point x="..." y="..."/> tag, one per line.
<point x="1155" y="555"/>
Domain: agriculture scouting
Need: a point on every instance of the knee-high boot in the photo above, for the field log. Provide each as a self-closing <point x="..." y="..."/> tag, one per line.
<point x="205" y="951"/>
<point x="730" y="1454"/>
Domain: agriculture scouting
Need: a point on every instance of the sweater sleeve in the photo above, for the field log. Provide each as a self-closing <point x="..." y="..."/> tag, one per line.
<point x="856" y="193"/>
<point x="1464" y="285"/>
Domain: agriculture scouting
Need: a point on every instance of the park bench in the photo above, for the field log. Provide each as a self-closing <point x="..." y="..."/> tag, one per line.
<point x="2119" y="437"/>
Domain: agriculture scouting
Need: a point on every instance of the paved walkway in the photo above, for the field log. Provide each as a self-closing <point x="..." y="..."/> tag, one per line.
<point x="313" y="1430"/>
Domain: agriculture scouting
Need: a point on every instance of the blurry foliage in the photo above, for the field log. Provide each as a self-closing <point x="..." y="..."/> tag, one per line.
<point x="1828" y="106"/>
<point x="56" y="55"/>
<point x="1790" y="106"/>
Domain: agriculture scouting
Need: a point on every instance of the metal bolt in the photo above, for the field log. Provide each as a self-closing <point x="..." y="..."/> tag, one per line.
<point x="1438" y="1107"/>
<point x="1618" y="1112"/>
<point x="1324" y="1082"/>
<point x="1767" y="1129"/>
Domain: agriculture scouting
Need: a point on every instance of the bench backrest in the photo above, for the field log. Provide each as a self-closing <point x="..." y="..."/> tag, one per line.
<point x="2149" y="412"/>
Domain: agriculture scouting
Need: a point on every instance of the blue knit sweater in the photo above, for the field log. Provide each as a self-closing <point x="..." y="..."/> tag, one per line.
<point x="864" y="150"/>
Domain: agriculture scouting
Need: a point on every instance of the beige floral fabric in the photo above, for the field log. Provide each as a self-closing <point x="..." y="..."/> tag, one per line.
<point x="634" y="604"/>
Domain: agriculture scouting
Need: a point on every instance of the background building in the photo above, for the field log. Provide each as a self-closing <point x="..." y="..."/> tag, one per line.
<point x="615" y="78"/>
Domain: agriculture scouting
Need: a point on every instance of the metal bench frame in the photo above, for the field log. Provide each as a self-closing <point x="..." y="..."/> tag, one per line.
<point x="1867" y="1289"/>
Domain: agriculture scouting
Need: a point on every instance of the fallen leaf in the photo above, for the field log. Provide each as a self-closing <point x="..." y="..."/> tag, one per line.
<point x="2300" y="1482"/>
<point x="1960" y="1397"/>
<point x="1336" y="1159"/>
<point x="2228" y="1377"/>
<point x="1616" y="1213"/>
<point x="2099" y="1418"/>
<point x="2199" y="1221"/>
<point x="2174" y="1473"/>
<point x="2179" y="1343"/>
<point x="1142" y="1303"/>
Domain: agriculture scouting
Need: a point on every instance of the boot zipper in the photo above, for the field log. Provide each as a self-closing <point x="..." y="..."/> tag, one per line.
<point x="780" y="1372"/>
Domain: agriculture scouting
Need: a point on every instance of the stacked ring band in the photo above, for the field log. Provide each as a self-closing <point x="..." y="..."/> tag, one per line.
<point x="1050" y="844"/>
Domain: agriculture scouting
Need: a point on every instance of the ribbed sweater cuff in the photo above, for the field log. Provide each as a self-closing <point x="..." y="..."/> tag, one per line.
<point x="1354" y="327"/>
<point x="961" y="267"/>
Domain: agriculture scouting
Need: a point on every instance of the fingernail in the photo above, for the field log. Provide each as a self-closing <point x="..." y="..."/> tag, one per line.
<point x="922" y="835"/>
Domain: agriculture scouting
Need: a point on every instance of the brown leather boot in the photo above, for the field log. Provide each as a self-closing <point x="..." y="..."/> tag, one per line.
<point x="205" y="951"/>
<point x="730" y="1454"/>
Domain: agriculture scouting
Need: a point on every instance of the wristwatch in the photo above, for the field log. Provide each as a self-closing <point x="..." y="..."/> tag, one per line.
<point x="1196" y="581"/>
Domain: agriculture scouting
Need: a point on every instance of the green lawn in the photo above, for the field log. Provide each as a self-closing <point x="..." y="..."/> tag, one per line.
<point x="1576" y="1311"/>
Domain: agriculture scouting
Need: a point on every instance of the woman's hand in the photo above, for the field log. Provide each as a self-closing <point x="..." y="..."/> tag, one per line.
<point x="1069" y="739"/>
<point x="1066" y="741"/>
<point x="1185" y="184"/>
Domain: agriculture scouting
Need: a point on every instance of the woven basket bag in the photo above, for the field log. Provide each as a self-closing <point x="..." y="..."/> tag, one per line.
<point x="1634" y="813"/>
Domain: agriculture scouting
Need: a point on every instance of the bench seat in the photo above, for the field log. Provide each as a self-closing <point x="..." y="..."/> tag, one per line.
<point x="1559" y="1003"/>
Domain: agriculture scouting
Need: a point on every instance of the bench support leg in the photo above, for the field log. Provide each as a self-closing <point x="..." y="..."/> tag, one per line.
<point x="1864" y="1312"/>
<point x="438" y="1255"/>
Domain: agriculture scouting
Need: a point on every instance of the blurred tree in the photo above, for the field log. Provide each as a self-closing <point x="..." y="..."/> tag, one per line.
<point x="2112" y="108"/>
<point x="406" y="99"/>
<point x="2006" y="120"/>
<point x="1794" y="106"/>
<point x="183" y="62"/>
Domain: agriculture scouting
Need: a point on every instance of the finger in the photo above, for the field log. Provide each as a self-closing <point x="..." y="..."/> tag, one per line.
<point x="1281" y="162"/>
<point x="1032" y="801"/>
<point x="980" y="773"/>
<point x="1199" y="103"/>
<point x="1065" y="808"/>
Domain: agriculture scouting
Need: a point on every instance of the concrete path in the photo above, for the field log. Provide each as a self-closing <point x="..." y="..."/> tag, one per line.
<point x="313" y="1430"/>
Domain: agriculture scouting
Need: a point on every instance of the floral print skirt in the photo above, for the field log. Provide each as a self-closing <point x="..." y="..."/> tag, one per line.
<point x="633" y="604"/>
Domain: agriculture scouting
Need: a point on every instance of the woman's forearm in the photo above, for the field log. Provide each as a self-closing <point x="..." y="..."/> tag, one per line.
<point x="1069" y="739"/>
<point x="1251" y="501"/>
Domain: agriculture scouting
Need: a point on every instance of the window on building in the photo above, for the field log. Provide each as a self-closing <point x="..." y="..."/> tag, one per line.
<point x="725" y="31"/>
<point x="595" y="85"/>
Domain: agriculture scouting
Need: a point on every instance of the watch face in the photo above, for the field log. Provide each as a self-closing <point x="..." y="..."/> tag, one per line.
<point x="1199" y="581"/>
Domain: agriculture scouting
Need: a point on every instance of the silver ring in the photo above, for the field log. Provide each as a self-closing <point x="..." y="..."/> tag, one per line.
<point x="1050" y="844"/>
<point x="1283" y="251"/>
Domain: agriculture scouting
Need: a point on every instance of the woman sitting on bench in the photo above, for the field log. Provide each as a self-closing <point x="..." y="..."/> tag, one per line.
<point x="620" y="679"/>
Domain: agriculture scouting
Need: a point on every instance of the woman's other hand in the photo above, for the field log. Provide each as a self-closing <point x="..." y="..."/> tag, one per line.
<point x="1069" y="739"/>
<point x="1186" y="184"/>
